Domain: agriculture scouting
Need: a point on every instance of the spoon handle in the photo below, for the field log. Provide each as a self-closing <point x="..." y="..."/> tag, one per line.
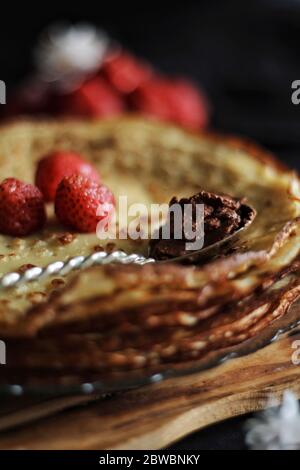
<point x="61" y="268"/>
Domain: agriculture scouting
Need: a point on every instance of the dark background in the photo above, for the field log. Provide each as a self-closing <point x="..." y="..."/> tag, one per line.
<point x="244" y="54"/>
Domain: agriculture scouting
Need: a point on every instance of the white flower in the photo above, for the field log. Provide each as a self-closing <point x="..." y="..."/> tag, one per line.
<point x="277" y="428"/>
<point x="67" y="54"/>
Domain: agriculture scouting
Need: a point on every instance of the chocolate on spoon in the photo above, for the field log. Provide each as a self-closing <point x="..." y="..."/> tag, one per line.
<point x="225" y="217"/>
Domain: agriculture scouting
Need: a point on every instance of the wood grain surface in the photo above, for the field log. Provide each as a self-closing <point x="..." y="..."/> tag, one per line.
<point x="152" y="417"/>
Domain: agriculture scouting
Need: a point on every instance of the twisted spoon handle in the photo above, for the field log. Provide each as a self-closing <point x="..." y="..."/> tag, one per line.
<point x="78" y="262"/>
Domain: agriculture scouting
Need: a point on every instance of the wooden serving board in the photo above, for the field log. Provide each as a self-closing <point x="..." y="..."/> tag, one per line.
<point x="153" y="417"/>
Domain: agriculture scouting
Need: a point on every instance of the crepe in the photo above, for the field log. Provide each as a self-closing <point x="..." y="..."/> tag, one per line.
<point x="248" y="286"/>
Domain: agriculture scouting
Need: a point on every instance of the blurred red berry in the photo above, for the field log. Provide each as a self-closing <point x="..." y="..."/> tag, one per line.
<point x="125" y="72"/>
<point x="52" y="168"/>
<point x="175" y="100"/>
<point x="79" y="200"/>
<point x="22" y="208"/>
<point x="95" y="98"/>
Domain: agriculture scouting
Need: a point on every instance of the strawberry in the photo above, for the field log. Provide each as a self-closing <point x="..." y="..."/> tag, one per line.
<point x="94" y="98"/>
<point x="171" y="100"/>
<point x="124" y="72"/>
<point x="22" y="208"/>
<point x="78" y="200"/>
<point x="53" y="167"/>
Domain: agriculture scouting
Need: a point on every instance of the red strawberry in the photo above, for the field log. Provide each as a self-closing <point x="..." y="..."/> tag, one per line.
<point x="22" y="209"/>
<point x="52" y="168"/>
<point x="79" y="199"/>
<point x="172" y="100"/>
<point x="94" y="98"/>
<point x="125" y="72"/>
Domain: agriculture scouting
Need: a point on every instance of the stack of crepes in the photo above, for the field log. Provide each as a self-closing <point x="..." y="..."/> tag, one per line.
<point x="113" y="318"/>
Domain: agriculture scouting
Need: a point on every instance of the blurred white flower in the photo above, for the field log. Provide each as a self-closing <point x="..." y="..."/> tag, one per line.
<point x="277" y="428"/>
<point x="66" y="54"/>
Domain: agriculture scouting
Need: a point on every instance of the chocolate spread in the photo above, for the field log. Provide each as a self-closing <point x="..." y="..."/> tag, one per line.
<point x="223" y="215"/>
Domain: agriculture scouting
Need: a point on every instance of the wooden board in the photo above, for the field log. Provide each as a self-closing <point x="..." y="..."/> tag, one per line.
<point x="152" y="417"/>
